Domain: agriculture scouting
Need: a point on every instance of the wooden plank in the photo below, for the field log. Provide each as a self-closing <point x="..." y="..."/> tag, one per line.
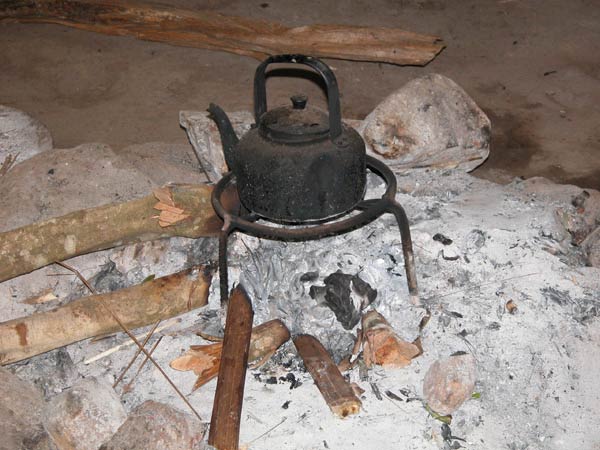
<point x="240" y="35"/>
<point x="336" y="391"/>
<point x="224" y="431"/>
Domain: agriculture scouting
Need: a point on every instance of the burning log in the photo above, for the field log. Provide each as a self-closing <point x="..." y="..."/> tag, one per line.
<point x="381" y="344"/>
<point x="239" y="35"/>
<point x="205" y="360"/>
<point x="224" y="431"/>
<point x="178" y="210"/>
<point x="88" y="316"/>
<point x="336" y="391"/>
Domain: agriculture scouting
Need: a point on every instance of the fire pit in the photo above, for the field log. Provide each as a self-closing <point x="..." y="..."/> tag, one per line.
<point x="363" y="213"/>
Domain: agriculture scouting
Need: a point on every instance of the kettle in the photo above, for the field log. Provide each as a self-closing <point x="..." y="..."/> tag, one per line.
<point x="297" y="163"/>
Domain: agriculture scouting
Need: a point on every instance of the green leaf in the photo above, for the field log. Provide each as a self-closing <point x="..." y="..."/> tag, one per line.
<point x="445" y="419"/>
<point x="476" y="395"/>
<point x="149" y="278"/>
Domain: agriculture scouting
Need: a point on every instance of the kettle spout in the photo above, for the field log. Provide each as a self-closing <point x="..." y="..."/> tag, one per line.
<point x="228" y="136"/>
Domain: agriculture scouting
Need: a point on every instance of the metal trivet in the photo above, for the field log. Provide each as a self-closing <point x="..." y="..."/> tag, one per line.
<point x="369" y="211"/>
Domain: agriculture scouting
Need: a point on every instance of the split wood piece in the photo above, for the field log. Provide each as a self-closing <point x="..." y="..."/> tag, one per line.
<point x="190" y="214"/>
<point x="205" y="360"/>
<point x="224" y="431"/>
<point x="87" y="317"/>
<point x="239" y="35"/>
<point x="382" y="346"/>
<point x="336" y="391"/>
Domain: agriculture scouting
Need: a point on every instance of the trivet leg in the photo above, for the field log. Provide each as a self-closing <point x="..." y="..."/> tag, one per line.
<point x="224" y="284"/>
<point x="409" y="259"/>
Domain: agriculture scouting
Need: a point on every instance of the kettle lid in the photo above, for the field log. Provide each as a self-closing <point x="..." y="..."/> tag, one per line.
<point x="295" y="124"/>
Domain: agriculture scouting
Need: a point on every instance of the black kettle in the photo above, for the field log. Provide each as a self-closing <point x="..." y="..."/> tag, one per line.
<point x="297" y="163"/>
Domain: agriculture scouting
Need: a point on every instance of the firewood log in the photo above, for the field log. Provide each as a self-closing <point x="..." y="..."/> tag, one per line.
<point x="224" y="430"/>
<point x="336" y="391"/>
<point x="240" y="35"/>
<point x="205" y="360"/>
<point x="382" y="346"/>
<point x="177" y="210"/>
<point x="87" y="317"/>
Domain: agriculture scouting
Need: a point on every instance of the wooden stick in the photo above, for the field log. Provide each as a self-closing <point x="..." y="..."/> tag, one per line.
<point x="33" y="246"/>
<point x="205" y="360"/>
<point x="86" y="317"/>
<point x="137" y="353"/>
<point x="224" y="431"/>
<point x="129" y="386"/>
<point x="336" y="391"/>
<point x="240" y="35"/>
<point x="125" y="344"/>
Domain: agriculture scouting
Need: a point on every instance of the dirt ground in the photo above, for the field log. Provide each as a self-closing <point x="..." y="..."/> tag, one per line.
<point x="533" y="66"/>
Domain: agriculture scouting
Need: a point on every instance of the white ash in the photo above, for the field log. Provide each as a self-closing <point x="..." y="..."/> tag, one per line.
<point x="536" y="379"/>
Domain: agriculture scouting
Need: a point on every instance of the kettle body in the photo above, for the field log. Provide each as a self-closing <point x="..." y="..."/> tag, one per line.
<point x="296" y="164"/>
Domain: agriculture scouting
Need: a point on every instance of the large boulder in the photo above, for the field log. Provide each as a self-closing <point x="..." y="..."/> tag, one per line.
<point x="66" y="180"/>
<point x="428" y="122"/>
<point x="84" y="416"/>
<point x="21" y="405"/>
<point x="156" y="426"/>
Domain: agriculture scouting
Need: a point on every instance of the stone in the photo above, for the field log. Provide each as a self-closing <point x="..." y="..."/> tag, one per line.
<point x="164" y="162"/>
<point x="428" y="122"/>
<point x="449" y="382"/>
<point x="84" y="416"/>
<point x="66" y="180"/>
<point x="206" y="140"/>
<point x="21" y="405"/>
<point x="52" y="372"/>
<point x="591" y="247"/>
<point x="156" y="426"/>
<point x="21" y="135"/>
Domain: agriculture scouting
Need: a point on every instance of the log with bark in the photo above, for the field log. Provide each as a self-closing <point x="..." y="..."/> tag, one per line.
<point x="336" y="391"/>
<point x="87" y="317"/>
<point x="224" y="430"/>
<point x="177" y="210"/>
<point x="240" y="35"/>
<point x="205" y="360"/>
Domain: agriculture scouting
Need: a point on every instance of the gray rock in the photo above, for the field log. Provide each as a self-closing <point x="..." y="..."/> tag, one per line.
<point x="156" y="426"/>
<point x="21" y="405"/>
<point x="449" y="382"/>
<point x="204" y="136"/>
<point x="591" y="247"/>
<point x="66" y="180"/>
<point x="85" y="416"/>
<point x="22" y="135"/>
<point x="89" y="175"/>
<point x="429" y="122"/>
<point x="164" y="162"/>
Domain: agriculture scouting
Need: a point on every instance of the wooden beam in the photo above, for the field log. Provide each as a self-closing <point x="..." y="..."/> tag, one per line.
<point x="224" y="431"/>
<point x="240" y="35"/>
<point x="87" y="317"/>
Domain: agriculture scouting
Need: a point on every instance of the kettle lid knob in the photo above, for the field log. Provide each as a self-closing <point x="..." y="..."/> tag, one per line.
<point x="299" y="101"/>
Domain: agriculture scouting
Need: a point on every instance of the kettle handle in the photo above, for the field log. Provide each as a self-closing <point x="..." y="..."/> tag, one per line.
<point x="333" y="94"/>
